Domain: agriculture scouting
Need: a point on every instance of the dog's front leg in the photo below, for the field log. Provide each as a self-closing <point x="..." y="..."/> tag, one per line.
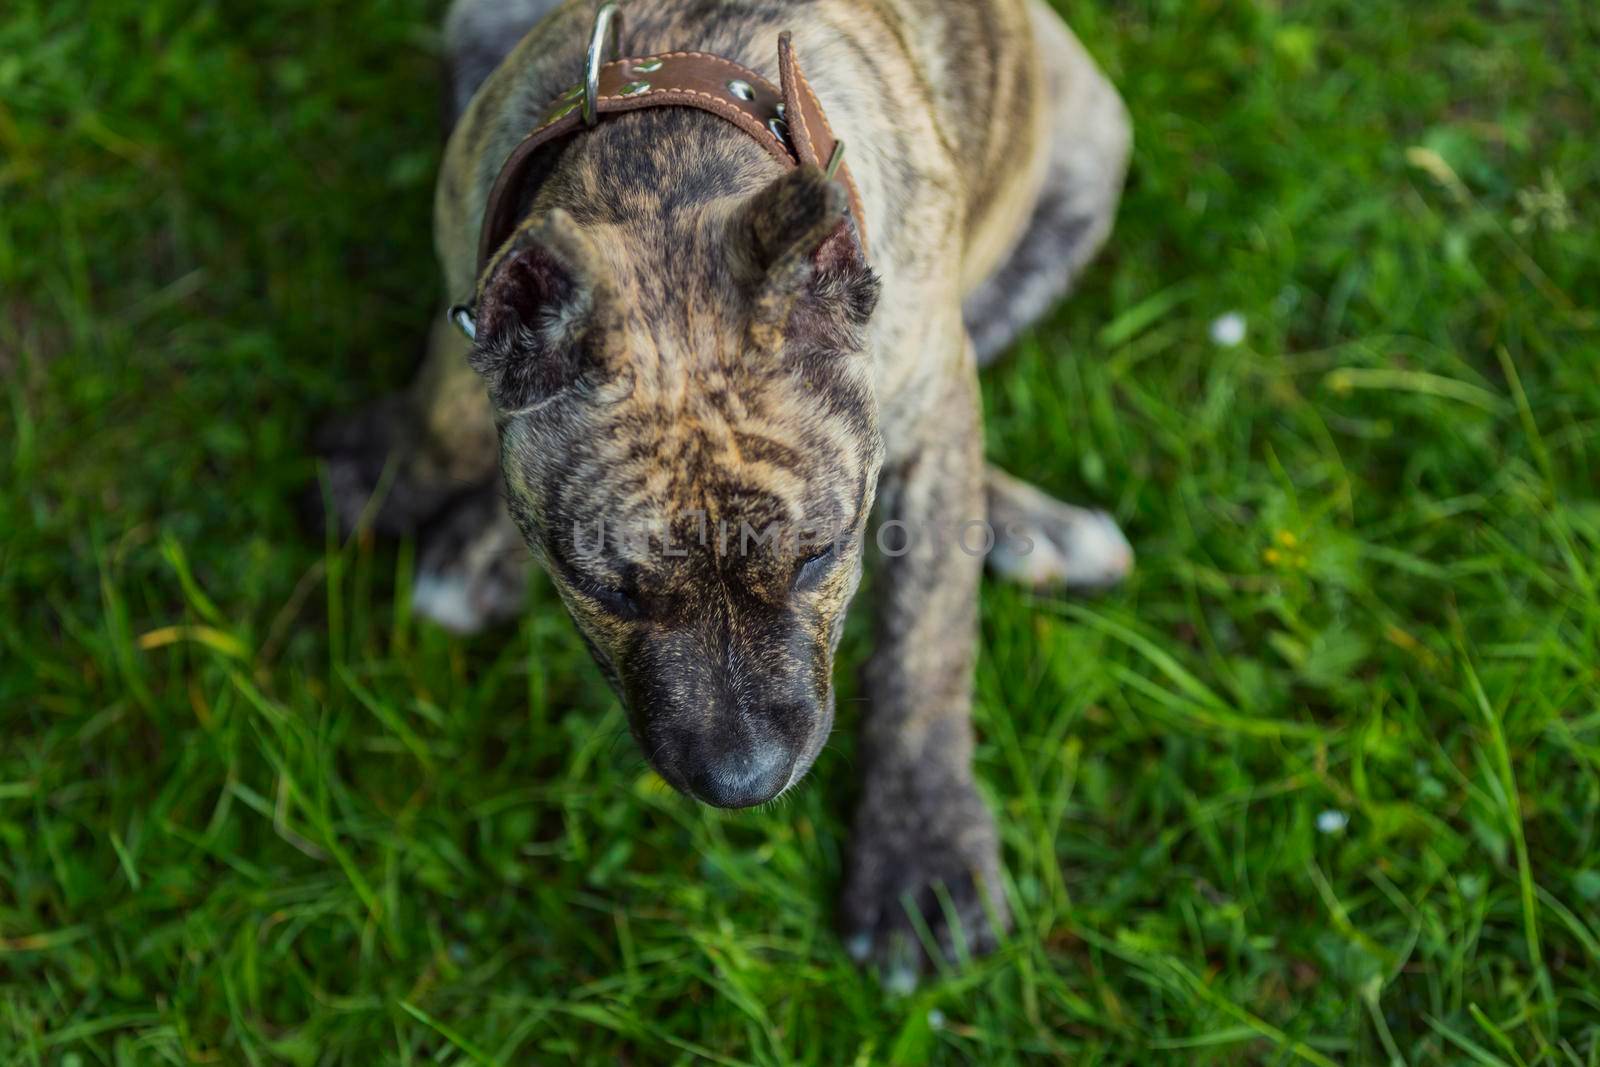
<point x="924" y="840"/>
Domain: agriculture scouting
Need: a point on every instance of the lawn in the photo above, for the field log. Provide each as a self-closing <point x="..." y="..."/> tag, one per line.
<point x="1320" y="784"/>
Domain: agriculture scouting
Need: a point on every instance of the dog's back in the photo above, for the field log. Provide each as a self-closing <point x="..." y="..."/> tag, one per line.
<point x="478" y="34"/>
<point x="939" y="102"/>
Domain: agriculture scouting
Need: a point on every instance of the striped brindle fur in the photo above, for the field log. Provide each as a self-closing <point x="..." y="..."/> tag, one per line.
<point x="686" y="339"/>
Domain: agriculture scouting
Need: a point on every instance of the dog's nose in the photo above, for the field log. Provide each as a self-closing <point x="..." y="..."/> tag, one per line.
<point x="743" y="777"/>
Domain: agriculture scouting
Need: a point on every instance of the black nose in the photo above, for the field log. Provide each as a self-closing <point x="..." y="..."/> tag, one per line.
<point x="751" y="774"/>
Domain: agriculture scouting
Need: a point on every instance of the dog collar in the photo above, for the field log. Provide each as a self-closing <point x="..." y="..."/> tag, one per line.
<point x="787" y="120"/>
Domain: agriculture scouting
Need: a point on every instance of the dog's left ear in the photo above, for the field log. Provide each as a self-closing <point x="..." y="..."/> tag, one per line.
<point x="543" y="314"/>
<point x="802" y="238"/>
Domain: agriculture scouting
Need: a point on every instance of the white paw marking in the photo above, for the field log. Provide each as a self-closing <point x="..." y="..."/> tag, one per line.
<point x="1099" y="552"/>
<point x="448" y="601"/>
<point x="1087" y="550"/>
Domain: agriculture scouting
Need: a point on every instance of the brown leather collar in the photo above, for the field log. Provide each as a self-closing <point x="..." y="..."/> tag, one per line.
<point x="787" y="121"/>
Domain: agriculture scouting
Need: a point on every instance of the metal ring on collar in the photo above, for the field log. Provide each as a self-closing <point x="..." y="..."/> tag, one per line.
<point x="465" y="317"/>
<point x="836" y="158"/>
<point x="606" y="19"/>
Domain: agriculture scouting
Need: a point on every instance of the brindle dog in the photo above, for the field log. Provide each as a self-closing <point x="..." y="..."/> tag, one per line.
<point x="684" y="335"/>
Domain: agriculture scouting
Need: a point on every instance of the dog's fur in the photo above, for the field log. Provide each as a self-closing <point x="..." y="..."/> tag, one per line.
<point x="684" y="335"/>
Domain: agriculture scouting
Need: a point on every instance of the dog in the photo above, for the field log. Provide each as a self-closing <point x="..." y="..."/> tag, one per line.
<point x="679" y="329"/>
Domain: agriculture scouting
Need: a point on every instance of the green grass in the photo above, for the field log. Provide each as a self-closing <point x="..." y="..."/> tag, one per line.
<point x="1321" y="784"/>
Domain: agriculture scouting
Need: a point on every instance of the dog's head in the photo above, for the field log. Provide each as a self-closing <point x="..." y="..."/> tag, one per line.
<point x="690" y="444"/>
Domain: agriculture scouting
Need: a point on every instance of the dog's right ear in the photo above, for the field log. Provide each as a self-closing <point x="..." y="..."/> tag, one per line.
<point x="539" y="314"/>
<point x="800" y="234"/>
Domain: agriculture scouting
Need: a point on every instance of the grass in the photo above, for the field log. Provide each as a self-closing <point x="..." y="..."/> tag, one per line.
<point x="1321" y="784"/>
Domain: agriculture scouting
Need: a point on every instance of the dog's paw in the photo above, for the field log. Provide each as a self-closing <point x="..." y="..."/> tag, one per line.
<point x="472" y="565"/>
<point x="927" y="858"/>
<point x="1074" y="549"/>
<point x="364" y="454"/>
<point x="1042" y="543"/>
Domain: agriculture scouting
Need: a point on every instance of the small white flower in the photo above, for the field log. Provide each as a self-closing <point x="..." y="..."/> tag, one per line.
<point x="1332" y="821"/>
<point x="935" y="1018"/>
<point x="901" y="982"/>
<point x="1228" y="330"/>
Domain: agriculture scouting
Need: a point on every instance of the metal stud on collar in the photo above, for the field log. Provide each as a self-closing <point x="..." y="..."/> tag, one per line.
<point x="607" y="29"/>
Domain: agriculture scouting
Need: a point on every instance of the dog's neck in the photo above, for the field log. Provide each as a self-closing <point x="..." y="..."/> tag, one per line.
<point x="787" y="120"/>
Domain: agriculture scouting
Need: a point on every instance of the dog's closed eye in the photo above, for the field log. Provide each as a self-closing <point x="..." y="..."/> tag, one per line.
<point x="617" y="599"/>
<point x="613" y="599"/>
<point x="814" y="567"/>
